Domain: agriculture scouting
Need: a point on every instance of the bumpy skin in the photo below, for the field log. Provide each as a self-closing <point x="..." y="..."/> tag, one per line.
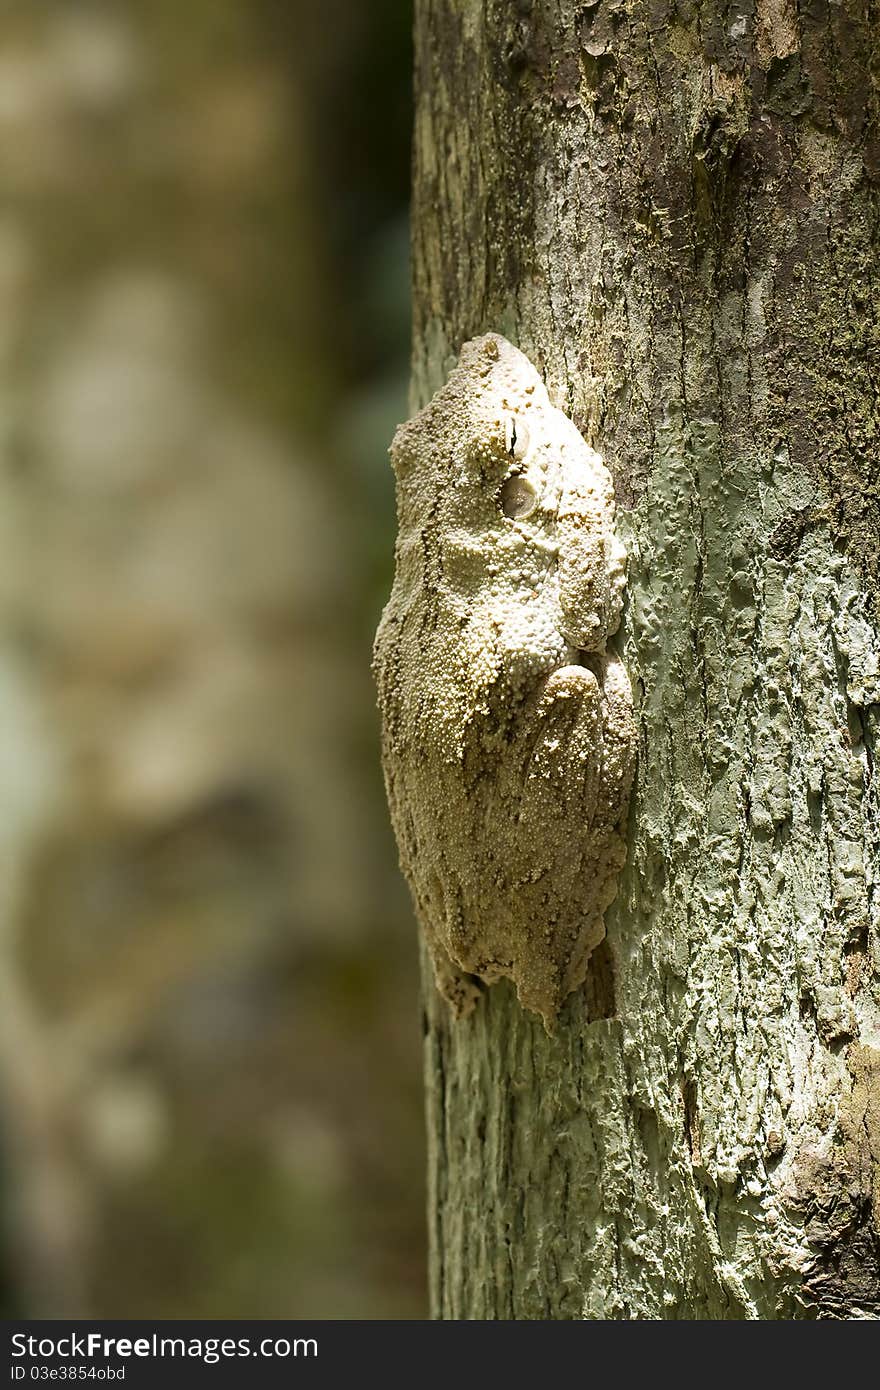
<point x="508" y="738"/>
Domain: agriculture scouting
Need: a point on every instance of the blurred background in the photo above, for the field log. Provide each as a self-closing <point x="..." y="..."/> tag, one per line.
<point x="210" y="1051"/>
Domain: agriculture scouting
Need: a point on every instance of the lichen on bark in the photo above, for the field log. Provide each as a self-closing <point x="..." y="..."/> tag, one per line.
<point x="674" y="211"/>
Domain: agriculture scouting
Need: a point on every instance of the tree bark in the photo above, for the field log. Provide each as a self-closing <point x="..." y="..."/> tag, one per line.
<point x="673" y="210"/>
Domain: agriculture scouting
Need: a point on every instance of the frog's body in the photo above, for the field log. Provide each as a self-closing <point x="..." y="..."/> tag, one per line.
<point x="508" y="740"/>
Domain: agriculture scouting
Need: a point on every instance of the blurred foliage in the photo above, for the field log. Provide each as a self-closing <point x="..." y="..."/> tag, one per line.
<point x="209" y="1035"/>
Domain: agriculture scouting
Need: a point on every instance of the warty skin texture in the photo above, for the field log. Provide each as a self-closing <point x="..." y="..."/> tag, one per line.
<point x="508" y="738"/>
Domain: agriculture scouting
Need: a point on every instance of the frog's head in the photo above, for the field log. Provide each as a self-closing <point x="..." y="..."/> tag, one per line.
<point x="499" y="487"/>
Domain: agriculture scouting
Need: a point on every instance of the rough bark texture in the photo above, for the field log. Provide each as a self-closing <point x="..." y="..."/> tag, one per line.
<point x="673" y="210"/>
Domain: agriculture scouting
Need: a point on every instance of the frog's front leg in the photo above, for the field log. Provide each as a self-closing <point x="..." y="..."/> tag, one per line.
<point x="563" y="774"/>
<point x="569" y="841"/>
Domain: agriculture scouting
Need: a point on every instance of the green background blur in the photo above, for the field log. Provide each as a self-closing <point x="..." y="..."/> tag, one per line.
<point x="210" y="1047"/>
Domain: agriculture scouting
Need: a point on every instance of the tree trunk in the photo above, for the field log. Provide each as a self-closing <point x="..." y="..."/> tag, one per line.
<point x="673" y="210"/>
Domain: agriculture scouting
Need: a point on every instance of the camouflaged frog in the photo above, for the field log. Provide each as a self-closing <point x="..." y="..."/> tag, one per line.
<point x="508" y="737"/>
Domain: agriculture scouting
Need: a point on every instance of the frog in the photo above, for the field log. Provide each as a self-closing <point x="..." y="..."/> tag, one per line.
<point x="508" y="734"/>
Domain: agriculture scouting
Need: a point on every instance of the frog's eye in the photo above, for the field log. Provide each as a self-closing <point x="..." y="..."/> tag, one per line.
<point x="516" y="437"/>
<point x="518" y="498"/>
